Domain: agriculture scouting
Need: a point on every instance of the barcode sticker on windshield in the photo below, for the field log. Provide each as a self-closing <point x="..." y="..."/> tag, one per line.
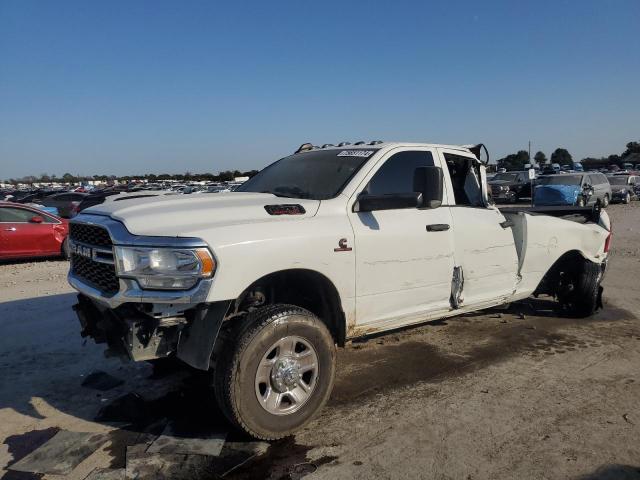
<point x="356" y="153"/>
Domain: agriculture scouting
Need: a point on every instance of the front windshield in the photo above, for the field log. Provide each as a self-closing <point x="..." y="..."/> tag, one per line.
<point x="560" y="180"/>
<point x="617" y="180"/>
<point x="317" y="175"/>
<point x="509" y="177"/>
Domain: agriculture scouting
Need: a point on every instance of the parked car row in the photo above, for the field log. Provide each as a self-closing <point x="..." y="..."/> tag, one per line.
<point x="580" y="189"/>
<point x="64" y="204"/>
<point x="576" y="188"/>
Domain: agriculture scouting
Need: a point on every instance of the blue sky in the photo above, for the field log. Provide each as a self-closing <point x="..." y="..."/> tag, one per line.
<point x="121" y="87"/>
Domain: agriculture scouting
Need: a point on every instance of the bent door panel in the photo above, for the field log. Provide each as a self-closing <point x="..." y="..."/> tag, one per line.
<point x="486" y="252"/>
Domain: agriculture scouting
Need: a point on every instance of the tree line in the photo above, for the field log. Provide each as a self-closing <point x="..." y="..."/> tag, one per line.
<point x="517" y="161"/>
<point x="224" y="176"/>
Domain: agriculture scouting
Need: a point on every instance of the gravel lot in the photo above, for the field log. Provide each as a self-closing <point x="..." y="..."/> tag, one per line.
<point x="517" y="393"/>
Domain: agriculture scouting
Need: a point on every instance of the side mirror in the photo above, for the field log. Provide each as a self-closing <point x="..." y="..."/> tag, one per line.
<point x="371" y="203"/>
<point x="428" y="182"/>
<point x="36" y="219"/>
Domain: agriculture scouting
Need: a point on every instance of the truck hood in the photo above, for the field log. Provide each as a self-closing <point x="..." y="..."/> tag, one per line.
<point x="178" y="215"/>
<point x="556" y="194"/>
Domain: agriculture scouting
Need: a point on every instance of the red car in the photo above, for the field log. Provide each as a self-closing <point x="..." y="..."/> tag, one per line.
<point x="28" y="232"/>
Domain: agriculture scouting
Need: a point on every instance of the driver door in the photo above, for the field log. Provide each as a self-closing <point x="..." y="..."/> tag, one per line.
<point x="404" y="256"/>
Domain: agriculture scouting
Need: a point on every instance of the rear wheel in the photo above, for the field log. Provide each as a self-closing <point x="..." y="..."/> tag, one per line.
<point x="276" y="371"/>
<point x="627" y="198"/>
<point x="579" y="292"/>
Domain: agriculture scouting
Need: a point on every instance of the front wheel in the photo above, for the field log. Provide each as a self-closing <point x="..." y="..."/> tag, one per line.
<point x="605" y="201"/>
<point x="276" y="372"/>
<point x="627" y="198"/>
<point x="580" y="201"/>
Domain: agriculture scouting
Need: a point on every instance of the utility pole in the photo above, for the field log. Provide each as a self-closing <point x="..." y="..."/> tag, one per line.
<point x="530" y="177"/>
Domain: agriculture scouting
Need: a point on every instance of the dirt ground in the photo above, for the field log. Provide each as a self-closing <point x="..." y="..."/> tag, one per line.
<point x="507" y="394"/>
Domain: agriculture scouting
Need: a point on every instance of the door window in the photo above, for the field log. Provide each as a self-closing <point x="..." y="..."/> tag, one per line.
<point x="22" y="215"/>
<point x="16" y="215"/>
<point x="396" y="175"/>
<point x="465" y="180"/>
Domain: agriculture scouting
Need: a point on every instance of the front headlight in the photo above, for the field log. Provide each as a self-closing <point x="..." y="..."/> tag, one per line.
<point x="164" y="268"/>
<point x="504" y="188"/>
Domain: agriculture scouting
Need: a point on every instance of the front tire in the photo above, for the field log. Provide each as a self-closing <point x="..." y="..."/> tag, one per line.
<point x="276" y="371"/>
<point x="627" y="198"/>
<point x="605" y="201"/>
<point x="580" y="202"/>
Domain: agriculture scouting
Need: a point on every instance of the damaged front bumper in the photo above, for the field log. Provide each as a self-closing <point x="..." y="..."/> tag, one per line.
<point x="132" y="331"/>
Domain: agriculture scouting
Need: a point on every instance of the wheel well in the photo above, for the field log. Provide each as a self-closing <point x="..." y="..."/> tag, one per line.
<point x="304" y="288"/>
<point x="570" y="263"/>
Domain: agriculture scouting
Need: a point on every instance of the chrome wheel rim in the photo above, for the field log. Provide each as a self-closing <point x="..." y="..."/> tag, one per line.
<point x="286" y="375"/>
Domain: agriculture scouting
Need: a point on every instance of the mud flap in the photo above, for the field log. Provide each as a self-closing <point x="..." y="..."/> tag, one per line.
<point x="599" y="304"/>
<point x="197" y="341"/>
<point x="457" y="284"/>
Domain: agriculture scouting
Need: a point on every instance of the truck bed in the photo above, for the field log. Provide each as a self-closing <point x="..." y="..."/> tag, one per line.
<point x="575" y="214"/>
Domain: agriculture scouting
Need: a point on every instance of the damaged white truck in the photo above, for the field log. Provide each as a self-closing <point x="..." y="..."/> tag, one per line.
<point x="325" y="245"/>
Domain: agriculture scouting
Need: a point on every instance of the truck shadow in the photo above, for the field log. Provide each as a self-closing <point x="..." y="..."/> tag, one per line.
<point x="44" y="362"/>
<point x="442" y="349"/>
<point x="614" y="472"/>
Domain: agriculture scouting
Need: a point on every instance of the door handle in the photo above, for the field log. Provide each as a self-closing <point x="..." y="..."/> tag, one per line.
<point x="437" y="227"/>
<point x="12" y="229"/>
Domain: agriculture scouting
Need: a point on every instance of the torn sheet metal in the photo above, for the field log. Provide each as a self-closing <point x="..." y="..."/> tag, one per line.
<point x="152" y="466"/>
<point x="107" y="474"/>
<point x="175" y="441"/>
<point x="61" y="454"/>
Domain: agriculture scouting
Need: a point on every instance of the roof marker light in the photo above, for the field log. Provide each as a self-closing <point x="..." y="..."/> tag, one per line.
<point x="342" y="144"/>
<point x="326" y="145"/>
<point x="359" y="143"/>
<point x="304" y="147"/>
<point x="375" y="142"/>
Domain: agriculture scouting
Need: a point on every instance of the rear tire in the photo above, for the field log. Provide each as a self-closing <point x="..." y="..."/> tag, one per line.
<point x="261" y="378"/>
<point x="582" y="296"/>
<point x="627" y="198"/>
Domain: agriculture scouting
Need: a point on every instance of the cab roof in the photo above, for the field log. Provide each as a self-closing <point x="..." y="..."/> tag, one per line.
<point x="308" y="147"/>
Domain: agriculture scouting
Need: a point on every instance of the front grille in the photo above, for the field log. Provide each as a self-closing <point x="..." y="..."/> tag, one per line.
<point x="90" y="235"/>
<point x="99" y="275"/>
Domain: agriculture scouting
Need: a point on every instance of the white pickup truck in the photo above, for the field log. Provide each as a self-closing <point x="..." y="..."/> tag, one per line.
<point x="331" y="243"/>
